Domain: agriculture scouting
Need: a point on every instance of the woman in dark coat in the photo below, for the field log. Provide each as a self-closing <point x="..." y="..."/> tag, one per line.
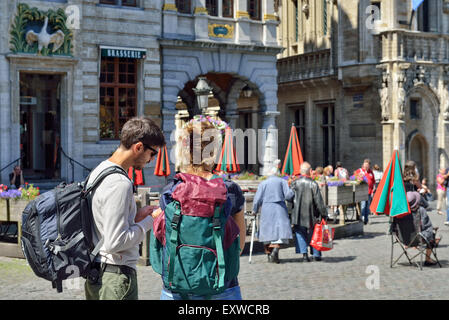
<point x="427" y="230"/>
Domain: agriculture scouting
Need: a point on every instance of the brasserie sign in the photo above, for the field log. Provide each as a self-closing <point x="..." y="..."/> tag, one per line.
<point x="115" y="52"/>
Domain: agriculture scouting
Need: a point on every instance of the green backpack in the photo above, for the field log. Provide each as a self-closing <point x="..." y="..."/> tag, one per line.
<point x="193" y="239"/>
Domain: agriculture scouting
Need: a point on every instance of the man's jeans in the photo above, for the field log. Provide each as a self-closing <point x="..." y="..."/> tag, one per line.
<point x="303" y="237"/>
<point x="365" y="208"/>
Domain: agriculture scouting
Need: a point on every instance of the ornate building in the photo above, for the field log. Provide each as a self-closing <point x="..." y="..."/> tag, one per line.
<point x="361" y="78"/>
<point x="73" y="71"/>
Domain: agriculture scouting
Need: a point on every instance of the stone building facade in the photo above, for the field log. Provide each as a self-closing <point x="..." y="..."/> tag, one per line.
<point x="109" y="60"/>
<point x="361" y="78"/>
<point x="109" y="71"/>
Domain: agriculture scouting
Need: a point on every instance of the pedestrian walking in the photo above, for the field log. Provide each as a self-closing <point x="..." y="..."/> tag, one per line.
<point x="200" y="253"/>
<point x="377" y="176"/>
<point x="367" y="173"/>
<point x="328" y="172"/>
<point x="424" y="191"/>
<point x="341" y="172"/>
<point x="275" y="228"/>
<point x="446" y="185"/>
<point x="412" y="182"/>
<point x="411" y="177"/>
<point x="117" y="222"/>
<point x="309" y="209"/>
<point x="441" y="192"/>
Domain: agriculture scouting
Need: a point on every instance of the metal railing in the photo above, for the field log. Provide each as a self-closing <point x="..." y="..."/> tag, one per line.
<point x="72" y="163"/>
<point x="305" y="66"/>
<point x="11" y="163"/>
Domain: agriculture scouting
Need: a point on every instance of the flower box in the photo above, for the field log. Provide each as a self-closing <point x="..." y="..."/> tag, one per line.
<point x="361" y="192"/>
<point x="16" y="207"/>
<point x="249" y="185"/>
<point x="341" y="195"/>
<point x="4" y="209"/>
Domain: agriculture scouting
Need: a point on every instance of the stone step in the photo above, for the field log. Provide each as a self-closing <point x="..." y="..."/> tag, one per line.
<point x="45" y="185"/>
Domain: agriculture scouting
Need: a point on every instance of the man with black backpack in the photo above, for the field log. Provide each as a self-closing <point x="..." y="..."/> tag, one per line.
<point x="119" y="227"/>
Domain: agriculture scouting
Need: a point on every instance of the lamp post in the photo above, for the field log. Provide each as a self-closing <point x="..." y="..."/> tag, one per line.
<point x="202" y="91"/>
<point x="247" y="91"/>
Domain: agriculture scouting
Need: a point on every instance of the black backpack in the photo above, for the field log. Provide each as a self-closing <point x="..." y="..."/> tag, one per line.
<point x="57" y="231"/>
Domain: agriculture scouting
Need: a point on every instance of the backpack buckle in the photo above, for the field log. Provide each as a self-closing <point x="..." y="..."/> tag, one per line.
<point x="175" y="221"/>
<point x="216" y="224"/>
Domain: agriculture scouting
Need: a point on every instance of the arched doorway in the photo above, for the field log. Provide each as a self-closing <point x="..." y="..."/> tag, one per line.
<point x="418" y="152"/>
<point x="421" y="116"/>
<point x="232" y="99"/>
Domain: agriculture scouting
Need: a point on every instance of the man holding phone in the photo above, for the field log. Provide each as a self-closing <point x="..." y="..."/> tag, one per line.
<point x="119" y="226"/>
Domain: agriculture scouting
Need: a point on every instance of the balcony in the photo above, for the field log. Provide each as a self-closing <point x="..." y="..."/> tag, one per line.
<point x="305" y="66"/>
<point x="414" y="46"/>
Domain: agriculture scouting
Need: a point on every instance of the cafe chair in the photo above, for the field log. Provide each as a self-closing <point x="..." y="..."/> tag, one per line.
<point x="406" y="234"/>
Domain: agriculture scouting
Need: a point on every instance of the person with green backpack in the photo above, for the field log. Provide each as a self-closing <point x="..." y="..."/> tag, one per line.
<point x="197" y="239"/>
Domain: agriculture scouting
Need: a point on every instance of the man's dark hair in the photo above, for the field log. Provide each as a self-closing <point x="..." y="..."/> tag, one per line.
<point x="338" y="164"/>
<point x="141" y="129"/>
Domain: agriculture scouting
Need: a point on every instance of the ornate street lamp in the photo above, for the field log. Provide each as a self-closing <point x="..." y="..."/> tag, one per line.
<point x="202" y="91"/>
<point x="247" y="91"/>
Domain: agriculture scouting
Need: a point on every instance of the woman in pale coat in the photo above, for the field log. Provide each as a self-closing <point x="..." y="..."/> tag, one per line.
<point x="275" y="228"/>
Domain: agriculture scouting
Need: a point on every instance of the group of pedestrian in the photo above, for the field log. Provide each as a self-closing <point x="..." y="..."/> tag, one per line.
<point x="119" y="227"/>
<point x="443" y="193"/>
<point x="275" y="225"/>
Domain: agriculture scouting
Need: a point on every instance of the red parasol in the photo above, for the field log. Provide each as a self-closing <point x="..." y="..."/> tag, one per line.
<point x="293" y="156"/>
<point x="228" y="160"/>
<point x="162" y="168"/>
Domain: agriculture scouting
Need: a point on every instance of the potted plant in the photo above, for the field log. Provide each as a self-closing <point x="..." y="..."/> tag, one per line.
<point x="246" y="180"/>
<point x="359" y="186"/>
<point x="337" y="193"/>
<point x="4" y="203"/>
<point x="18" y="204"/>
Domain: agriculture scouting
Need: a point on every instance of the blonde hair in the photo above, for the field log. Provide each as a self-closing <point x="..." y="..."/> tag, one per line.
<point x="192" y="142"/>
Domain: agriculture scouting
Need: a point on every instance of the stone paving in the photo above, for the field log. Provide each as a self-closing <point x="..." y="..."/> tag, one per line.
<point x="346" y="272"/>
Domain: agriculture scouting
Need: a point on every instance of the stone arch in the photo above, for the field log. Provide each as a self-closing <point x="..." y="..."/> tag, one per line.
<point x="422" y="134"/>
<point x="181" y="66"/>
<point x="428" y="93"/>
<point x="418" y="151"/>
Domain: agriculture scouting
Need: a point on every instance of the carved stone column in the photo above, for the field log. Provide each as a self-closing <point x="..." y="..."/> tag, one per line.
<point x="269" y="131"/>
<point x="385" y="96"/>
<point x="170" y="18"/>
<point x="243" y="32"/>
<point x="201" y="20"/>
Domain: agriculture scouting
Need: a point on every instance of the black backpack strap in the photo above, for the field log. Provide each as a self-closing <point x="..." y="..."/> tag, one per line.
<point x="106" y="172"/>
<point x="86" y="190"/>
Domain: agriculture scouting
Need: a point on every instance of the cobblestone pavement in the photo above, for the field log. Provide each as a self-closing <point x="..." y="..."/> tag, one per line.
<point x="342" y="274"/>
